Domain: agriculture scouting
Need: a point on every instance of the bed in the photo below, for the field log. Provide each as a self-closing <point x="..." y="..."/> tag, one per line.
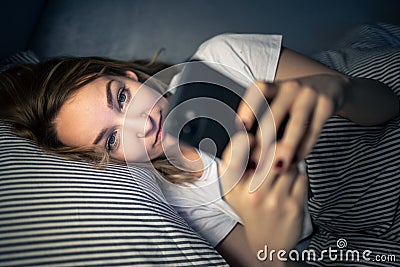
<point x="57" y="212"/>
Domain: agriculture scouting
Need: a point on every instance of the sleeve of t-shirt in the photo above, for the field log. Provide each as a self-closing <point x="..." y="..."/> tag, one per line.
<point x="254" y="55"/>
<point x="200" y="203"/>
<point x="202" y="207"/>
<point x="212" y="224"/>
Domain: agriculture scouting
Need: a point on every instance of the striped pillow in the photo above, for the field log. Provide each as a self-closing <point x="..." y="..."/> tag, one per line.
<point x="21" y="57"/>
<point x="57" y="212"/>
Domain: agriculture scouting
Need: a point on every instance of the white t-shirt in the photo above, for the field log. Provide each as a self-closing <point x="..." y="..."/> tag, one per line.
<point x="200" y="203"/>
<point x="254" y="56"/>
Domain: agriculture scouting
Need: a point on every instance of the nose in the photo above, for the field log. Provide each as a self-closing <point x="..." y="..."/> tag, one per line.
<point x="140" y="125"/>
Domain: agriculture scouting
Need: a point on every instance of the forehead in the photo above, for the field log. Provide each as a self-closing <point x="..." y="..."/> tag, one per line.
<point x="95" y="84"/>
<point x="80" y="118"/>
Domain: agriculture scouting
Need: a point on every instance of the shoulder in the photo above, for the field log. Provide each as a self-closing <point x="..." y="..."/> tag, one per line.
<point x="241" y="38"/>
<point x="236" y="42"/>
<point x="255" y="56"/>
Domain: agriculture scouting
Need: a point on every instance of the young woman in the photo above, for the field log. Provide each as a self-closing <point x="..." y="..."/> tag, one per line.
<point x="77" y="107"/>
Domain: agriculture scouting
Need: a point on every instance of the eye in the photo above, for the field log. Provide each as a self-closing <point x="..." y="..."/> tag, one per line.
<point x="122" y="96"/>
<point x="111" y="143"/>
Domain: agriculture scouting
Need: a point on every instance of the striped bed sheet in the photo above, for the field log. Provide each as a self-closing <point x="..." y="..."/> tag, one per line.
<point x="354" y="171"/>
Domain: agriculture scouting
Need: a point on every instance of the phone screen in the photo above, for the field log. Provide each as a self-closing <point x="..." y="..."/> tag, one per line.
<point x="203" y="108"/>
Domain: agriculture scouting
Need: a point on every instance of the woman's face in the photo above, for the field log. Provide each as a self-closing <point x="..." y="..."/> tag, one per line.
<point x="98" y="114"/>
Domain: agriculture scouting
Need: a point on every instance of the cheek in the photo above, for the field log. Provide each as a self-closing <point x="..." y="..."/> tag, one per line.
<point x="134" y="148"/>
<point x="145" y="98"/>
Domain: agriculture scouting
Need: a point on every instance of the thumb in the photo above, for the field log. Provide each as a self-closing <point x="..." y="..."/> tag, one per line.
<point x="234" y="160"/>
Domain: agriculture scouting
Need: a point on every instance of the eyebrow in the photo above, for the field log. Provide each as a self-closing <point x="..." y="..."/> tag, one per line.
<point x="110" y="100"/>
<point x="100" y="136"/>
<point x="109" y="95"/>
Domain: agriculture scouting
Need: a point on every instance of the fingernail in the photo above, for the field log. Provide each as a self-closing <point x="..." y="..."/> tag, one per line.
<point x="279" y="164"/>
<point x="240" y="125"/>
<point x="252" y="165"/>
<point x="246" y="125"/>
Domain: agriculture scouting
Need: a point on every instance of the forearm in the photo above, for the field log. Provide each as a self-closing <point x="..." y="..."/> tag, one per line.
<point x="235" y="249"/>
<point x="237" y="252"/>
<point x="369" y="102"/>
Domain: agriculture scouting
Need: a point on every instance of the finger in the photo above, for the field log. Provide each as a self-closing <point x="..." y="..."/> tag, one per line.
<point x="265" y="141"/>
<point x="300" y="188"/>
<point x="271" y="121"/>
<point x="284" y="183"/>
<point x="263" y="152"/>
<point x="254" y="102"/>
<point x="324" y="109"/>
<point x="262" y="173"/>
<point x="283" y="101"/>
<point x="234" y="161"/>
<point x="296" y="127"/>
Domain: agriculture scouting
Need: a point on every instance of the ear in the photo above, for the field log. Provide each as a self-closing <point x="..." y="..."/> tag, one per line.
<point x="132" y="75"/>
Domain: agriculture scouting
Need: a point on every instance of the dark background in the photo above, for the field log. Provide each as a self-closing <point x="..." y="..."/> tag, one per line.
<point x="127" y="29"/>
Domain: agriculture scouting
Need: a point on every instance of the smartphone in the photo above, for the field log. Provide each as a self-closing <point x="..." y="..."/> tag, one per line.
<point x="203" y="108"/>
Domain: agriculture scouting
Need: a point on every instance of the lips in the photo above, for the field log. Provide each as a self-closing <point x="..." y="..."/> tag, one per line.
<point x="159" y="130"/>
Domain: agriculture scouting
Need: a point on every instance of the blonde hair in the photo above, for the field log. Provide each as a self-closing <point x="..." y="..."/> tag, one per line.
<point x="31" y="96"/>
